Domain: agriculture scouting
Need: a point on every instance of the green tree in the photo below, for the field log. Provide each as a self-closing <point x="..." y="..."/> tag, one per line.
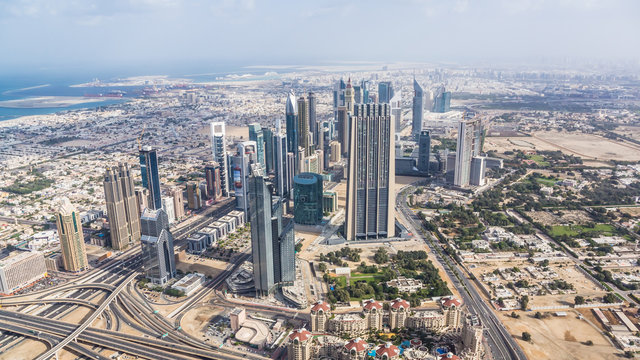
<point x="526" y="336"/>
<point x="524" y="302"/>
<point x="381" y="256"/>
<point x="578" y="300"/>
<point x="322" y="267"/>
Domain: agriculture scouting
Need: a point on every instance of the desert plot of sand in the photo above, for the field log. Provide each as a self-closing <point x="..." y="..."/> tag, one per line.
<point x="559" y="337"/>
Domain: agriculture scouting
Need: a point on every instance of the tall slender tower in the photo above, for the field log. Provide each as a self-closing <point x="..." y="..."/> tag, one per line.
<point x="261" y="234"/>
<point x="268" y="150"/>
<point x="418" y="109"/>
<point x="113" y="194"/>
<point x="292" y="123"/>
<point x="74" y="254"/>
<point x="150" y="176"/>
<point x="370" y="186"/>
<point x="158" y="258"/>
<point x="385" y="92"/>
<point x="313" y="117"/>
<point x="219" y="149"/>
<point x="280" y="161"/>
<point x="303" y="125"/>
<point x="467" y="146"/>
<point x="131" y="208"/>
<point x="255" y="134"/>
<point x="424" y="151"/>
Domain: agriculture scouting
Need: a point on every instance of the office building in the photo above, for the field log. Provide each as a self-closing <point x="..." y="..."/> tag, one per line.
<point x="370" y="187"/>
<point x="396" y="110"/>
<point x="292" y="123"/>
<point x="169" y="208"/>
<point x="219" y="149"/>
<point x="418" y="109"/>
<point x="268" y="150"/>
<point x="478" y="170"/>
<point x="326" y="148"/>
<point x="312" y="102"/>
<point x="329" y="201"/>
<point x="467" y="146"/>
<point x="338" y="97"/>
<point x="123" y="206"/>
<point x="272" y="241"/>
<point x="280" y="162"/>
<point x="241" y="162"/>
<point x="74" y="254"/>
<point x="303" y="125"/>
<point x="150" y="176"/>
<point x="336" y="151"/>
<point x="255" y="134"/>
<point x="307" y="198"/>
<point x="178" y="203"/>
<point x="19" y="269"/>
<point x="194" y="196"/>
<point x="343" y="118"/>
<point x="364" y="89"/>
<point x="214" y="183"/>
<point x="158" y="260"/>
<point x="385" y="92"/>
<point x="424" y="151"/>
<point x="142" y="199"/>
<point x="442" y="100"/>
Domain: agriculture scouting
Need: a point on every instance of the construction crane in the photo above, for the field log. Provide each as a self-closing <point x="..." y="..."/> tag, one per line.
<point x="140" y="137"/>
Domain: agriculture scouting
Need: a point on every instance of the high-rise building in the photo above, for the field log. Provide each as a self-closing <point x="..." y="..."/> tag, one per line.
<point x="256" y="134"/>
<point x="169" y="208"/>
<point x="364" y="88"/>
<point x="178" y="202"/>
<point x="418" y="109"/>
<point x="261" y="235"/>
<point x="122" y="207"/>
<point x="300" y="345"/>
<point x="338" y="97"/>
<point x="396" y="110"/>
<point x="307" y="198"/>
<point x="312" y="102"/>
<point x="272" y="242"/>
<point x="241" y="162"/>
<point x="19" y="269"/>
<point x="303" y="125"/>
<point x="467" y="145"/>
<point x="424" y="151"/>
<point x="268" y="150"/>
<point x="150" y="176"/>
<point x="291" y="116"/>
<point x="194" y="196"/>
<point x="343" y="130"/>
<point x="158" y="258"/>
<point x="142" y="199"/>
<point x="370" y="187"/>
<point x="214" y="183"/>
<point x="478" y="170"/>
<point x="442" y="101"/>
<point x="74" y="254"/>
<point x="385" y="92"/>
<point x="280" y="162"/>
<point x="336" y="152"/>
<point x="219" y="149"/>
<point x="326" y="147"/>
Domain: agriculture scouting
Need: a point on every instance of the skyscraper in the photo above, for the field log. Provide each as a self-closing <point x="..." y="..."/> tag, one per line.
<point x="261" y="236"/>
<point x="131" y="207"/>
<point x="74" y="254"/>
<point x="424" y="151"/>
<point x="338" y="97"/>
<point x="169" y="208"/>
<point x="442" y="101"/>
<point x="312" y="100"/>
<point x="245" y="156"/>
<point x="303" y="125"/>
<point x="219" y="149"/>
<point x="150" y="176"/>
<point x="477" y="172"/>
<point x="272" y="243"/>
<point x="158" y="261"/>
<point x="142" y="199"/>
<point x="178" y="202"/>
<point x="255" y="134"/>
<point x="418" y="109"/>
<point x="370" y="196"/>
<point x="307" y="198"/>
<point x="194" y="196"/>
<point x="343" y="118"/>
<point x="468" y="142"/>
<point x="364" y="88"/>
<point x="280" y="161"/>
<point x="268" y="150"/>
<point x="122" y="207"/>
<point x="385" y="92"/>
<point x="291" y="116"/>
<point x="214" y="184"/>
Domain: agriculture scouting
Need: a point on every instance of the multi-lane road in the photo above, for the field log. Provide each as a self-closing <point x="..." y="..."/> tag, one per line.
<point x="501" y="344"/>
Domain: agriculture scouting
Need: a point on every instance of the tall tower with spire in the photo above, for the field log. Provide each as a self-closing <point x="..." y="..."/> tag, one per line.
<point x="418" y="109"/>
<point x="292" y="123"/>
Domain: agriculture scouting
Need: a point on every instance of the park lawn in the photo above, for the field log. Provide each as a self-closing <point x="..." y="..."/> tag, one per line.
<point x="539" y="159"/>
<point x="370" y="278"/>
<point x="546" y="182"/>
<point x="578" y="230"/>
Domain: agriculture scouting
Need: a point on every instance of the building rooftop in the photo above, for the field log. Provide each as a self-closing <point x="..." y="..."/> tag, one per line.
<point x="300" y="334"/>
<point x="387" y="349"/>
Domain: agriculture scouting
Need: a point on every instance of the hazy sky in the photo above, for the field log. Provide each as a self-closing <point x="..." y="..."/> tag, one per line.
<point x="94" y="33"/>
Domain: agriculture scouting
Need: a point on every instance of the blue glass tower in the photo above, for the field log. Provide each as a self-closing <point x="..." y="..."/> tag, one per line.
<point x="150" y="176"/>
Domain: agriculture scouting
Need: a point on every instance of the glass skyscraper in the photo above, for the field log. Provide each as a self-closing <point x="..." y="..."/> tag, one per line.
<point x="418" y="109"/>
<point x="157" y="247"/>
<point x="150" y="176"/>
<point x="255" y="134"/>
<point x="424" y="151"/>
<point x="307" y="198"/>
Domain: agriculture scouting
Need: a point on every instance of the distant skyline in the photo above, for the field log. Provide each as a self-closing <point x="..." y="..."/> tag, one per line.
<point x="94" y="34"/>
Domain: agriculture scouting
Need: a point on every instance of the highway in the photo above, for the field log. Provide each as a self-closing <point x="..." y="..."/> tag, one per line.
<point x="501" y="344"/>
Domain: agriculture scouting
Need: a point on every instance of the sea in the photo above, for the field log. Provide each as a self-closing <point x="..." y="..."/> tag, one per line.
<point x="53" y="83"/>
